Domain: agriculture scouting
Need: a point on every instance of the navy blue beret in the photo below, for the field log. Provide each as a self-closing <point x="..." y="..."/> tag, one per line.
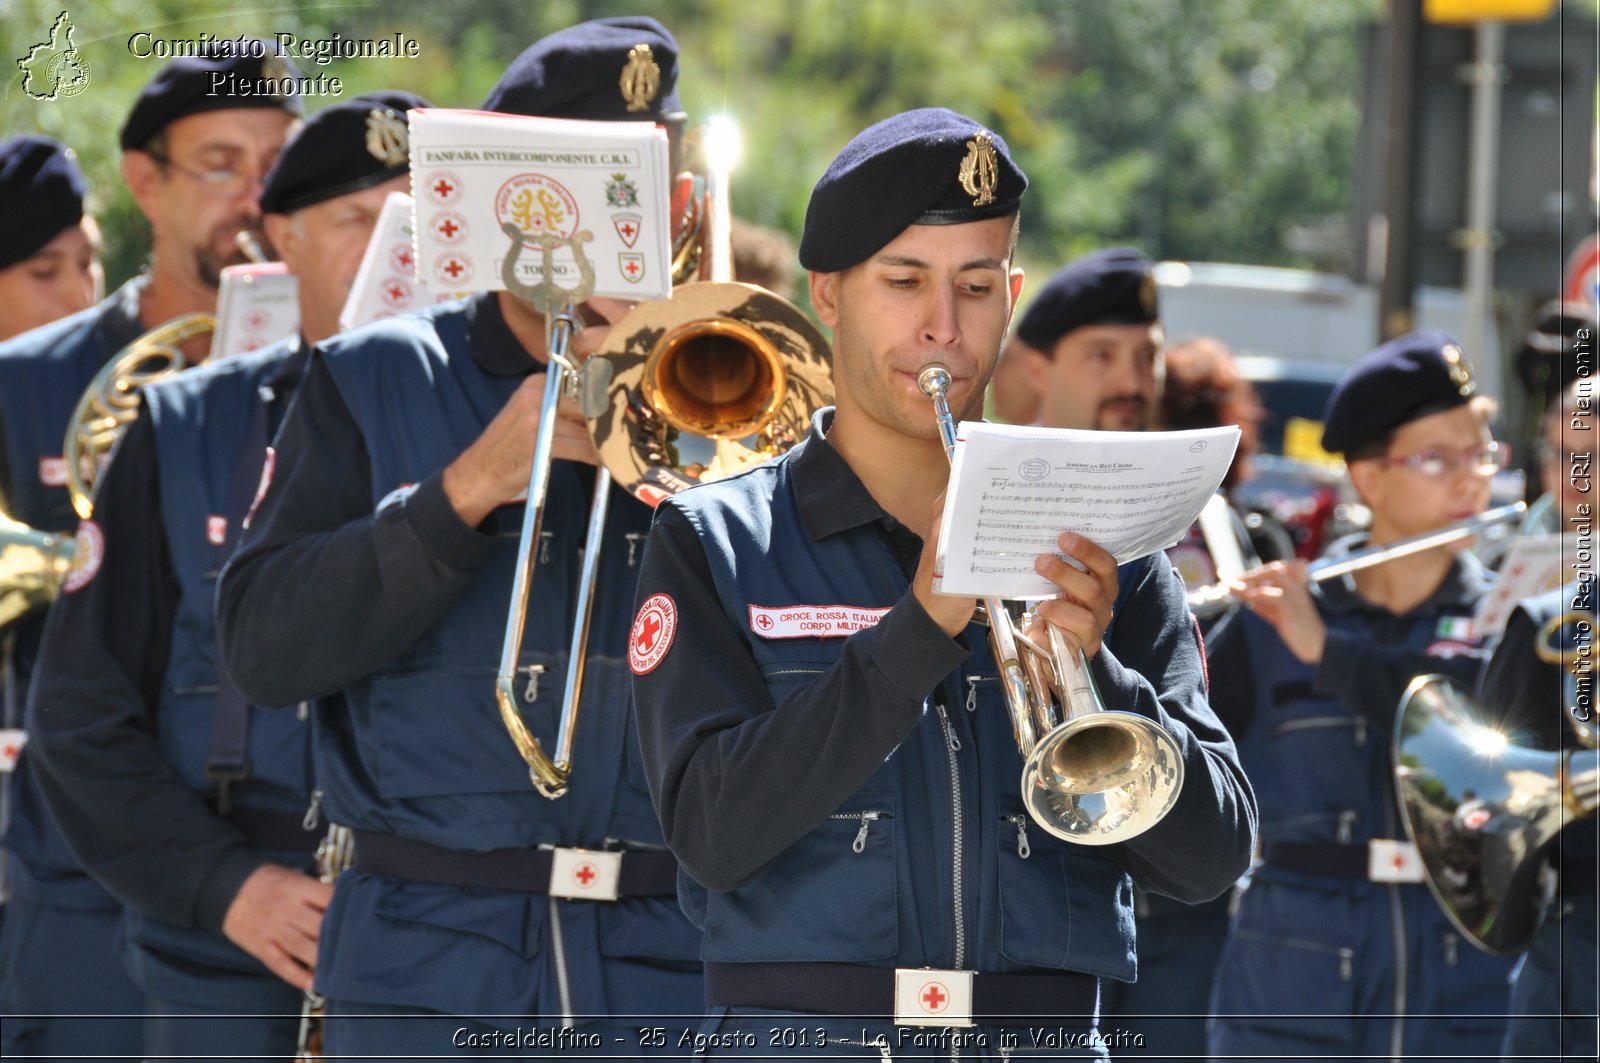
<point x="1419" y="374"/>
<point x="926" y="167"/>
<point x="611" y="69"/>
<point x="1112" y="287"/>
<point x="351" y="145"/>
<point x="41" y="193"/>
<point x="223" y="77"/>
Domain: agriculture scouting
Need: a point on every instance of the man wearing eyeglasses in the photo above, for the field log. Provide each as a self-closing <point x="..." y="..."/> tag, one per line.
<point x="1338" y="947"/>
<point x="193" y="163"/>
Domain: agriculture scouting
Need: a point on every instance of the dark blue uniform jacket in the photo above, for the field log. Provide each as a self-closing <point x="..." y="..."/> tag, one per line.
<point x="131" y="727"/>
<point x="855" y="798"/>
<point x="358" y="586"/>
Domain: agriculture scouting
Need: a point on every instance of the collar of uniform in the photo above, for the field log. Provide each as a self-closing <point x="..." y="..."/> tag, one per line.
<point x="496" y="350"/>
<point x="285" y="377"/>
<point x="1464" y="583"/>
<point x="119" y="319"/>
<point x="831" y="496"/>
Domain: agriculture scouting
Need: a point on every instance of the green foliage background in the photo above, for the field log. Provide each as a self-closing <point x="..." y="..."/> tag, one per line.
<point x="1200" y="129"/>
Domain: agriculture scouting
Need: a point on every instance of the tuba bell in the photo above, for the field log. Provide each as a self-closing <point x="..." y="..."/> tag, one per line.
<point x="1483" y="810"/>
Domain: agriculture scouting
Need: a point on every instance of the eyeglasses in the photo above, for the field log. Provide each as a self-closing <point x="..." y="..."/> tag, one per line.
<point x="1483" y="460"/>
<point x="221" y="183"/>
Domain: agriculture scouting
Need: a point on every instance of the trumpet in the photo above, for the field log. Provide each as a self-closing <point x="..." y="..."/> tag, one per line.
<point x="1206" y="602"/>
<point x="1090" y="775"/>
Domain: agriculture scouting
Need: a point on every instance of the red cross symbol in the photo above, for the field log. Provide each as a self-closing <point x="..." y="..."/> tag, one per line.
<point x="396" y="292"/>
<point x="764" y="622"/>
<point x="649" y="628"/>
<point x="1399" y="862"/>
<point x="632" y="268"/>
<point x="255" y="319"/>
<point x="448" y="228"/>
<point x="10" y="752"/>
<point x="934" y="996"/>
<point x="627" y="230"/>
<point x="402" y="258"/>
<point x="585" y="874"/>
<point x="453" y="268"/>
<point x="444" y="188"/>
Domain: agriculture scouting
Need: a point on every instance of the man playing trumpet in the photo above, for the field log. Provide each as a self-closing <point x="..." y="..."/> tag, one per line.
<point x="823" y="733"/>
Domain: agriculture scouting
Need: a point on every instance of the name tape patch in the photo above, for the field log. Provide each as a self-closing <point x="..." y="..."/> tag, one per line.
<point x="812" y="621"/>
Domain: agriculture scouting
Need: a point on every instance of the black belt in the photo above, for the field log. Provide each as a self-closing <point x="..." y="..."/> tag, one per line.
<point x="645" y="873"/>
<point x="1318" y="858"/>
<point x="282" y="832"/>
<point x="868" y="992"/>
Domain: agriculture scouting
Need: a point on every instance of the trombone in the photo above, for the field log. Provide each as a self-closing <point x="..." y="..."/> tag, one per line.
<point x="718" y="378"/>
<point x="1090" y="775"/>
<point x="1218" y="598"/>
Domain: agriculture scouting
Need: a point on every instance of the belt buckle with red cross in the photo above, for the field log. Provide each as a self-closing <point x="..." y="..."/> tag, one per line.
<point x="925" y="996"/>
<point x="585" y="874"/>
<point x="11" y="742"/>
<point x="1389" y="860"/>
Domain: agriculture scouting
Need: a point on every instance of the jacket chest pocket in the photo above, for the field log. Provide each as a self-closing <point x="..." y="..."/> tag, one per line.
<point x="439" y="734"/>
<point x="1061" y="906"/>
<point x="832" y="896"/>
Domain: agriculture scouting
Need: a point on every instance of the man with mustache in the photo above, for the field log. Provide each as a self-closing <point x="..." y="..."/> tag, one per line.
<point x="1090" y="343"/>
<point x="194" y="163"/>
<point x="187" y="802"/>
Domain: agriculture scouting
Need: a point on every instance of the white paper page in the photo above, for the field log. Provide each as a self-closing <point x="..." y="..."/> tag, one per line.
<point x="1532" y="566"/>
<point x="1014" y="490"/>
<point x="473" y="172"/>
<point x="386" y="284"/>
<point x="257" y="305"/>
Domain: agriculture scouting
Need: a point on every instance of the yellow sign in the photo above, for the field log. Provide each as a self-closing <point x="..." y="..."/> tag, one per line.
<point x="1464" y="11"/>
<point x="1302" y="439"/>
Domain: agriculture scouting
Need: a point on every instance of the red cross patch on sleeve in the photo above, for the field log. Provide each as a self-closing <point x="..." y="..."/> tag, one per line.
<point x="261" y="489"/>
<point x="652" y="633"/>
<point x="87" y="555"/>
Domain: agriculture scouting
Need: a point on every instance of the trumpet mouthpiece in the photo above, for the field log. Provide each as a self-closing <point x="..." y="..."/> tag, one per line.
<point x="934" y="380"/>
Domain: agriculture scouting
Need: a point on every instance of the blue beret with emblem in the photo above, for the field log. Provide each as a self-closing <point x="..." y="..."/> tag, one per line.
<point x="611" y="69"/>
<point x="930" y="166"/>
<point x="1417" y="375"/>
<point x="343" y="148"/>
<point x="1111" y="287"/>
<point x="214" y="80"/>
<point x="41" y="193"/>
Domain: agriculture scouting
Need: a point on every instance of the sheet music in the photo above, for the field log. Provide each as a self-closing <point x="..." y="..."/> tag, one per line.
<point x="386" y="284"/>
<point x="603" y="183"/>
<point x="257" y="304"/>
<point x="1014" y="490"/>
<point x="1532" y="566"/>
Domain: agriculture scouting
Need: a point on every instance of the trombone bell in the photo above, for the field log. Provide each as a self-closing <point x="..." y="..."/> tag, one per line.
<point x="715" y="380"/>
<point x="715" y="377"/>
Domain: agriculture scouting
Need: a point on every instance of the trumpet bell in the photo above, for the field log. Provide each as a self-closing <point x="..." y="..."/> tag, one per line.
<point x="1102" y="778"/>
<point x="717" y="379"/>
